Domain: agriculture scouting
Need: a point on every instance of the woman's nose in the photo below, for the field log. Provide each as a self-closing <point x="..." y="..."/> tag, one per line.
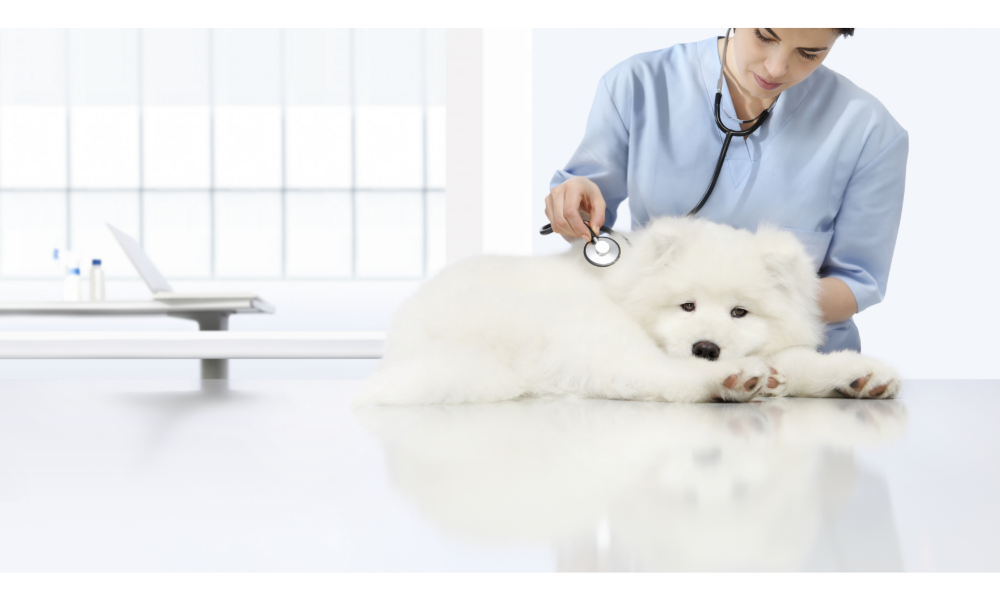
<point x="776" y="66"/>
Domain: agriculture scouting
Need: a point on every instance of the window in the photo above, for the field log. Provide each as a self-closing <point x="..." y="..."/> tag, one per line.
<point x="260" y="154"/>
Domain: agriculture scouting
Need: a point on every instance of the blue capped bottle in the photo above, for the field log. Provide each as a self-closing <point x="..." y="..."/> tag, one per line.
<point x="96" y="281"/>
<point x="71" y="285"/>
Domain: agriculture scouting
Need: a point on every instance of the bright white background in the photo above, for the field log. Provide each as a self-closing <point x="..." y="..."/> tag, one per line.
<point x="937" y="319"/>
<point x="259" y="153"/>
<point x="294" y="163"/>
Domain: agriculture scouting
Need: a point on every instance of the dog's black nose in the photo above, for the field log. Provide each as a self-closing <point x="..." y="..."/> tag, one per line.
<point x="705" y="350"/>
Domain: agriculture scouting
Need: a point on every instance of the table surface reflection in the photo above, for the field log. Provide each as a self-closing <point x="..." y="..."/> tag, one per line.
<point x="285" y="475"/>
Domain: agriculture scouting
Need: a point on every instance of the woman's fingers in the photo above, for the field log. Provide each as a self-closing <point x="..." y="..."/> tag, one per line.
<point x="548" y="215"/>
<point x="575" y="196"/>
<point x="565" y="202"/>
<point x="565" y="213"/>
<point x="596" y="209"/>
<point x="555" y="212"/>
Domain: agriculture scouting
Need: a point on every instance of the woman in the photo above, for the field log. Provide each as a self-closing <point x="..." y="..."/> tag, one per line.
<point x="828" y="164"/>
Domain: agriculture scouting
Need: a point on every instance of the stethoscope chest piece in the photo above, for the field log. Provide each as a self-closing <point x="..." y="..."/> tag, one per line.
<point x="602" y="252"/>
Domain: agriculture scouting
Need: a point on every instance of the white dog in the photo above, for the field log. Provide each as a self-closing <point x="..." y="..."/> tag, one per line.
<point x="694" y="311"/>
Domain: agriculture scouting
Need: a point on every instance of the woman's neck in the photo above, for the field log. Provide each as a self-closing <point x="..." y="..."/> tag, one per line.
<point x="747" y="106"/>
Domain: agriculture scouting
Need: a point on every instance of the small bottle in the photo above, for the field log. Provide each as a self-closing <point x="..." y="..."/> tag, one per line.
<point x="96" y="281"/>
<point x="58" y="258"/>
<point x="71" y="285"/>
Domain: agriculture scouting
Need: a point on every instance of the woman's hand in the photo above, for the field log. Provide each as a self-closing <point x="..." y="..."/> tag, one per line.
<point x="566" y="200"/>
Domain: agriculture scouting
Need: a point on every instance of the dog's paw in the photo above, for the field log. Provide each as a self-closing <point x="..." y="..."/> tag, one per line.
<point x="868" y="378"/>
<point x="776" y="385"/>
<point x="741" y="379"/>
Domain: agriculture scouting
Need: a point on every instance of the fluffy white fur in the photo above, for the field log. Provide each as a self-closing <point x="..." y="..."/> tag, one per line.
<point x="494" y="328"/>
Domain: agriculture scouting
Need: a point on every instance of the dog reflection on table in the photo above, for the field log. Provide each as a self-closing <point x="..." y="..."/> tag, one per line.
<point x="652" y="486"/>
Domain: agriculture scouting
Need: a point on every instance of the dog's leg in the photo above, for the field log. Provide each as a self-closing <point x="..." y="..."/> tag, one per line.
<point x="803" y="372"/>
<point x="453" y="373"/>
<point x="658" y="377"/>
<point x="445" y="373"/>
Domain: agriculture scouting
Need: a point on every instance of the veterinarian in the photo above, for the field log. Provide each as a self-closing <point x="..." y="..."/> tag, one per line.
<point x="828" y="164"/>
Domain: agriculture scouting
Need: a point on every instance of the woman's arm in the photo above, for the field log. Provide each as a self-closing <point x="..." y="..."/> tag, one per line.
<point x="864" y="232"/>
<point x="836" y="300"/>
<point x="595" y="179"/>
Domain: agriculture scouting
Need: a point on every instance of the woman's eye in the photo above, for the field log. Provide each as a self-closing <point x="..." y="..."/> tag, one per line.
<point x="688" y="306"/>
<point x="808" y="56"/>
<point x="739" y="312"/>
<point x="761" y="37"/>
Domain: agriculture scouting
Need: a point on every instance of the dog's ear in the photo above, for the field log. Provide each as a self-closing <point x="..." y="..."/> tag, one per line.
<point x="782" y="269"/>
<point x="662" y="241"/>
<point x="787" y="263"/>
<point x="664" y="247"/>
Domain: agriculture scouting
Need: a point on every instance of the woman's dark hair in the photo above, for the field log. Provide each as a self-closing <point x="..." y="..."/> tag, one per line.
<point x="846" y="32"/>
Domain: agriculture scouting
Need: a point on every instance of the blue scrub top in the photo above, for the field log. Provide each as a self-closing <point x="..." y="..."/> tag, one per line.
<point x="828" y="165"/>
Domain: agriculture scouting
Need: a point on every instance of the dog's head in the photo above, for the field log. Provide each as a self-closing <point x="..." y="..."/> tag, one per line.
<point x="713" y="291"/>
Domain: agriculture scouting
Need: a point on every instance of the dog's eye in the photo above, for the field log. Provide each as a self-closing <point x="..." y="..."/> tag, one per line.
<point x="739" y="312"/>
<point x="688" y="306"/>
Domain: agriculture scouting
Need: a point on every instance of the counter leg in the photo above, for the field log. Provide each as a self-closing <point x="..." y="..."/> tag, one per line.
<point x="214" y="368"/>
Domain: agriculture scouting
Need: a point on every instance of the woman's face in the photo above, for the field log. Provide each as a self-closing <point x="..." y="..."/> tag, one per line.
<point x="769" y="61"/>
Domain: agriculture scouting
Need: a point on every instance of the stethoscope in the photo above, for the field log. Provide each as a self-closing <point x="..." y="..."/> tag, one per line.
<point x="730" y="133"/>
<point x="602" y="251"/>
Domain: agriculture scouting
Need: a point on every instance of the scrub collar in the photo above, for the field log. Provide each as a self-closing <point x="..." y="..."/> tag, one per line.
<point x="708" y="57"/>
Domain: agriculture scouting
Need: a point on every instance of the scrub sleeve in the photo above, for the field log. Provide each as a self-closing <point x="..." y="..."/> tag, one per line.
<point x="869" y="214"/>
<point x="602" y="156"/>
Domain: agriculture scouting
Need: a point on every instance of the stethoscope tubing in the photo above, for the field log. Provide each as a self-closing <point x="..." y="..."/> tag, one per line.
<point x="730" y="133"/>
<point x="547" y="229"/>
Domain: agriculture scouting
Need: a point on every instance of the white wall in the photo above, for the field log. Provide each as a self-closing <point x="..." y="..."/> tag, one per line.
<point x="464" y="110"/>
<point x="507" y="93"/>
<point x="937" y="320"/>
<point x="489" y="142"/>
